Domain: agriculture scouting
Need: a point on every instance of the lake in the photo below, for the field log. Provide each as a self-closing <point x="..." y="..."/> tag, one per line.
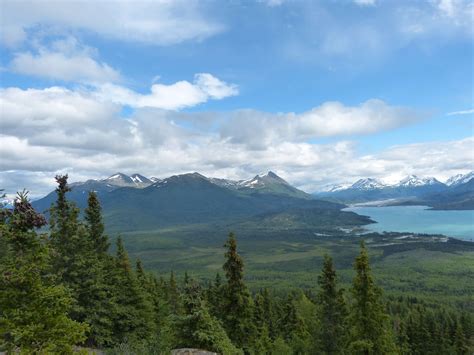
<point x="419" y="219"/>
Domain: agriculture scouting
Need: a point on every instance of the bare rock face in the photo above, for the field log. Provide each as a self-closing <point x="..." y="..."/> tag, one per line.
<point x="191" y="352"/>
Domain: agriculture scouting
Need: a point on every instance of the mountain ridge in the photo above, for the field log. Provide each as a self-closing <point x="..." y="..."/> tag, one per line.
<point x="456" y="193"/>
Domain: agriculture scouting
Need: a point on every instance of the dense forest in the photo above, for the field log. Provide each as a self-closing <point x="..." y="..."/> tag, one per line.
<point x="62" y="290"/>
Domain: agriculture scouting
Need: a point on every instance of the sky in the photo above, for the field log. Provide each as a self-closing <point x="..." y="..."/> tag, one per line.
<point x="320" y="92"/>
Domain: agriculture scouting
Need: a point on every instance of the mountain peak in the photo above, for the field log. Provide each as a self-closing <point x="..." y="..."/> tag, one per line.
<point x="119" y="177"/>
<point x="368" y="184"/>
<point x="460" y="179"/>
<point x="262" y="180"/>
<point x="140" y="179"/>
<point x="415" y="181"/>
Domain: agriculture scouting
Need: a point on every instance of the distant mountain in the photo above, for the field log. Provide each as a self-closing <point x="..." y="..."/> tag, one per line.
<point x="414" y="181"/>
<point x="270" y="183"/>
<point x="368" y="184"/>
<point x="459" y="196"/>
<point x="456" y="193"/>
<point x="136" y="202"/>
<point x="102" y="187"/>
<point x="122" y="180"/>
<point x="460" y="179"/>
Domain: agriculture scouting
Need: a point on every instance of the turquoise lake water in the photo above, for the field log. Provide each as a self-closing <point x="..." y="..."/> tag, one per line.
<point x="419" y="219"/>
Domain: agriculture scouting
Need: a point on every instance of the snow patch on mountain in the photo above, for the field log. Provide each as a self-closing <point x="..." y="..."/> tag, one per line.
<point x="460" y="179"/>
<point x="368" y="184"/>
<point x="415" y="181"/>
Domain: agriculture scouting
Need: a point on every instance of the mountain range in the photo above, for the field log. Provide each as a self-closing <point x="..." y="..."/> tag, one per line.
<point x="456" y="193"/>
<point x="136" y="202"/>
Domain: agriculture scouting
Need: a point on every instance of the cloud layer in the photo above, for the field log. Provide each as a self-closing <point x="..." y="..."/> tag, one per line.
<point x="154" y="22"/>
<point x="44" y="131"/>
<point x="65" y="60"/>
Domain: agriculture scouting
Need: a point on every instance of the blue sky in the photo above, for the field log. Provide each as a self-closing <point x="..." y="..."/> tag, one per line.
<point x="321" y="92"/>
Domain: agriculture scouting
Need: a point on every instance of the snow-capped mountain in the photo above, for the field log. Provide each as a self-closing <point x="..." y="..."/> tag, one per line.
<point x="123" y="180"/>
<point x="140" y="179"/>
<point x="233" y="184"/>
<point x="262" y="180"/>
<point x="460" y="179"/>
<point x="368" y="184"/>
<point x="457" y="193"/>
<point x="188" y="198"/>
<point x="335" y="188"/>
<point x="415" y="181"/>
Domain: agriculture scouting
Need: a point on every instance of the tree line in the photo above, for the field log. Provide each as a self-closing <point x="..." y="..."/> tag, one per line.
<point x="62" y="289"/>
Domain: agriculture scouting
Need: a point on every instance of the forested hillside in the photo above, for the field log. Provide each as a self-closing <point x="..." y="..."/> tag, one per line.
<point x="64" y="289"/>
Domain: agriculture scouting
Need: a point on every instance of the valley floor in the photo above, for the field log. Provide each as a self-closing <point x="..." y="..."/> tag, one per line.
<point x="435" y="268"/>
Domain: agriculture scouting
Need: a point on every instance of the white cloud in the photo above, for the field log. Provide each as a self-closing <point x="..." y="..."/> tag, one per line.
<point x="156" y="22"/>
<point x="365" y="2"/>
<point x="59" y="130"/>
<point x="462" y="112"/>
<point x="259" y="129"/>
<point x="175" y="96"/>
<point x="64" y="60"/>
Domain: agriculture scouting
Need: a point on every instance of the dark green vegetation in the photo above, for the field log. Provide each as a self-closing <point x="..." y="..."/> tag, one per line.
<point x="192" y="198"/>
<point x="279" y="303"/>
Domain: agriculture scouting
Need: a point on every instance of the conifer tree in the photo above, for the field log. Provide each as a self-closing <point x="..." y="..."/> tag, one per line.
<point x="459" y="342"/>
<point x="263" y="341"/>
<point x="237" y="302"/>
<point x="214" y="297"/>
<point x="83" y="267"/>
<point x="293" y="328"/>
<point x="33" y="308"/>
<point x="134" y="314"/>
<point x="370" y="331"/>
<point x="197" y="328"/>
<point x="64" y="230"/>
<point x="95" y="225"/>
<point x="331" y="311"/>
<point x="172" y="295"/>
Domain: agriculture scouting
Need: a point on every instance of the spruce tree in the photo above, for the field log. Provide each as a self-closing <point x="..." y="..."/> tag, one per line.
<point x="95" y="225"/>
<point x="64" y="226"/>
<point x="83" y="267"/>
<point x="134" y="313"/>
<point x="331" y="311"/>
<point x="214" y="297"/>
<point x="237" y="303"/>
<point x="33" y="307"/>
<point x="172" y="295"/>
<point x="369" y="325"/>
<point x="293" y="328"/>
<point x="197" y="328"/>
<point x="263" y="341"/>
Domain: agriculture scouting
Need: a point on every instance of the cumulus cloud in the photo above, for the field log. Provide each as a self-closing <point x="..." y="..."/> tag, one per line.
<point x="170" y="97"/>
<point x="154" y="22"/>
<point x="65" y="60"/>
<point x="60" y="130"/>
<point x="258" y="129"/>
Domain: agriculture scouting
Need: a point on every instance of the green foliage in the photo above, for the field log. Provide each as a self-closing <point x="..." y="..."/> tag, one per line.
<point x="33" y="309"/>
<point x="331" y="311"/>
<point x="50" y="288"/>
<point x="133" y="314"/>
<point x="237" y="303"/>
<point x="369" y="325"/>
<point x="197" y="328"/>
<point x="95" y="225"/>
